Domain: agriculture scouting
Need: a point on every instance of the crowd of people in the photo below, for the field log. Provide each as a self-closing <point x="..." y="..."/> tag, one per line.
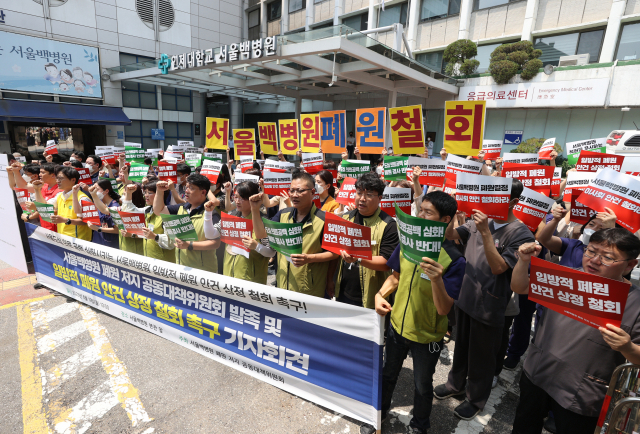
<point x="478" y="285"/>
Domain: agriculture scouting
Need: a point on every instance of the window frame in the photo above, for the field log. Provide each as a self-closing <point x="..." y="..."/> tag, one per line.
<point x="269" y="18"/>
<point x="400" y="5"/>
<point x="364" y="20"/>
<point x="138" y="91"/>
<point x="495" y="6"/>
<point x="141" y="136"/>
<point x="442" y="62"/>
<point x="178" y="136"/>
<point x="304" y="6"/>
<point x="447" y="15"/>
<point x="579" y="32"/>
<point x="249" y="17"/>
<point x="175" y="95"/>
<point x="615" y="56"/>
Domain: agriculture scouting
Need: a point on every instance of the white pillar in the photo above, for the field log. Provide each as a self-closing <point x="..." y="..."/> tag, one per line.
<point x="338" y="8"/>
<point x="284" y="17"/>
<point x="263" y="19"/>
<point x="414" y="20"/>
<point x="310" y="15"/>
<point x="391" y="102"/>
<point x="612" y="33"/>
<point x="398" y="28"/>
<point x="371" y="19"/>
<point x="160" y="121"/>
<point x="465" y="19"/>
<point x="530" y="16"/>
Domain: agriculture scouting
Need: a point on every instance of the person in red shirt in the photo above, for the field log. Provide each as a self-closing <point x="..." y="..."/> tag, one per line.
<point x="49" y="190"/>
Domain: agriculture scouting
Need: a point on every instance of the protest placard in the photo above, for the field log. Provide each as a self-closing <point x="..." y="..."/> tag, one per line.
<point x="106" y="154"/>
<point x="492" y="149"/>
<point x="312" y="162"/>
<point x="268" y="135"/>
<point x="577" y="180"/>
<point x="394" y="168"/>
<point x="457" y="165"/>
<point x="278" y="166"/>
<point x="133" y="222"/>
<point x="138" y="171"/>
<point x="341" y="234"/>
<point x="89" y="212"/>
<point x="217" y="133"/>
<point x="488" y="194"/>
<point x="134" y="153"/>
<point x="370" y="130"/>
<point x="289" y="137"/>
<point x="423" y="164"/>
<point x="617" y="191"/>
<point x="22" y="194"/>
<point x="246" y="163"/>
<point x="85" y="176"/>
<point x="464" y="126"/>
<point x="393" y="196"/>
<point x="433" y="170"/>
<point x="593" y="145"/>
<point x="284" y="238"/>
<point x="244" y="142"/>
<point x="310" y="132"/>
<point x="241" y="177"/>
<point x="45" y="210"/>
<point x="544" y="153"/>
<point x="589" y="161"/>
<point x="212" y="156"/>
<point x="168" y="171"/>
<point x="333" y="131"/>
<point x="593" y="300"/>
<point x="580" y="213"/>
<point x="347" y="193"/>
<point x="419" y="237"/>
<point x="355" y="168"/>
<point x="118" y="151"/>
<point x="233" y="229"/>
<point x="532" y="176"/>
<point x="516" y="158"/>
<point x="211" y="169"/>
<point x="192" y="159"/>
<point x="117" y="220"/>
<point x="556" y="181"/>
<point x="277" y="183"/>
<point x="51" y="148"/>
<point x="179" y="226"/>
<point x="407" y="134"/>
<point x="532" y="208"/>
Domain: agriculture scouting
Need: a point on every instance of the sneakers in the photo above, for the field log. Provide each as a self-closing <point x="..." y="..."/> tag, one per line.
<point x="441" y="392"/>
<point x="466" y="411"/>
<point x="510" y="363"/>
<point x="494" y="383"/>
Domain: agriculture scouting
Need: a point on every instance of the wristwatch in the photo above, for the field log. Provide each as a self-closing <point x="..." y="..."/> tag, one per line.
<point x="157" y="238"/>
<point x="99" y="229"/>
<point x="68" y="221"/>
<point x="134" y="235"/>
<point x="190" y="245"/>
<point x="359" y="260"/>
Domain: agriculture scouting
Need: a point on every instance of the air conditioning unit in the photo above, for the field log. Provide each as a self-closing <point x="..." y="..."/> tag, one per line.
<point x="578" y="59"/>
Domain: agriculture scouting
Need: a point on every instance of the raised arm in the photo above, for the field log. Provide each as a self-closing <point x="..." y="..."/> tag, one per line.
<point x="158" y="201"/>
<point x="256" y="217"/>
<point x="520" y="275"/>
<point x="546" y="237"/>
<point x="76" y="203"/>
<point x="495" y="260"/>
<point x="415" y="177"/>
<point x="451" y="233"/>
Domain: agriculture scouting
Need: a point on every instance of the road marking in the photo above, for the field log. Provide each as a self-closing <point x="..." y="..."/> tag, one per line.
<point x="92" y="406"/>
<point x="33" y="416"/>
<point x="54" y="339"/>
<point x="69" y="368"/>
<point x="120" y="383"/>
<point x="20" y="303"/>
<point x="29" y="280"/>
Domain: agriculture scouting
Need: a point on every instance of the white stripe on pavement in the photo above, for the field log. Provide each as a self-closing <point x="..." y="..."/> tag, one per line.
<point x="52" y="340"/>
<point x="92" y="406"/>
<point x="70" y="368"/>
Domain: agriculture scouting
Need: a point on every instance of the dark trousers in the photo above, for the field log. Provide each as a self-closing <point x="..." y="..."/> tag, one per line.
<point x="504" y="343"/>
<point x="425" y="358"/>
<point x="534" y="406"/>
<point x="521" y="331"/>
<point x="474" y="358"/>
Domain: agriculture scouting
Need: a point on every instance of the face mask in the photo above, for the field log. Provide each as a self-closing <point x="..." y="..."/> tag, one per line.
<point x="586" y="235"/>
<point x="72" y="158"/>
<point x="319" y="188"/>
<point x="101" y="195"/>
<point x="379" y="170"/>
<point x="26" y="177"/>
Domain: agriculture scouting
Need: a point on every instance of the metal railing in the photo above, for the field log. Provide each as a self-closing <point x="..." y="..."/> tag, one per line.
<point x="621" y="395"/>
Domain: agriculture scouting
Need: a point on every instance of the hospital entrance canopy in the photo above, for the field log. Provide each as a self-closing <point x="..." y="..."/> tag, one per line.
<point x="328" y="64"/>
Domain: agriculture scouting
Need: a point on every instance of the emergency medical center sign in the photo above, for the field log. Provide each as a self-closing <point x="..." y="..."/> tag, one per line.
<point x="464" y="126"/>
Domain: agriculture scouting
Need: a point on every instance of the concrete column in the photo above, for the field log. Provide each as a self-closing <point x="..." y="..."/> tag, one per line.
<point x="263" y="19"/>
<point x="284" y="17"/>
<point x="391" y="102"/>
<point x="466" y="7"/>
<point x="371" y="19"/>
<point x="311" y="11"/>
<point x="235" y="113"/>
<point x="612" y="33"/>
<point x="414" y="20"/>
<point x="530" y="15"/>
<point x="160" y="121"/>
<point x="298" y="106"/>
<point x="338" y="10"/>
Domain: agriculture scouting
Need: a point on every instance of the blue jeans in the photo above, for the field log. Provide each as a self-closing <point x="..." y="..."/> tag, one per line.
<point x="425" y="359"/>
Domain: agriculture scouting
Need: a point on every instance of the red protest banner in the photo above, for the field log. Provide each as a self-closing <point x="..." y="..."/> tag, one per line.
<point x="168" y="171"/>
<point x="246" y="163"/>
<point x="276" y="183"/>
<point x="347" y="193"/>
<point x="532" y="208"/>
<point x="277" y="166"/>
<point x="393" y="195"/>
<point x="489" y="194"/>
<point x="619" y="192"/>
<point x="457" y="165"/>
<point x="312" y="163"/>
<point x="556" y="181"/>
<point x="334" y="173"/>
<point x="593" y="300"/>
<point x="544" y="153"/>
<point x="232" y="229"/>
<point x="23" y="197"/>
<point x="89" y="212"/>
<point x="51" y="148"/>
<point x="133" y="222"/>
<point x="592" y="161"/>
<point x="340" y="234"/>
<point x="532" y="176"/>
<point x="580" y="213"/>
<point x="433" y="172"/>
<point x="576" y="181"/>
<point x="85" y="176"/>
<point x="316" y="201"/>
<point x="492" y="149"/>
<point x="211" y="169"/>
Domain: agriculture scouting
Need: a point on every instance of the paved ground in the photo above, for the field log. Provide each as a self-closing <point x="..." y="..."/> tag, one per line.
<point x="65" y="368"/>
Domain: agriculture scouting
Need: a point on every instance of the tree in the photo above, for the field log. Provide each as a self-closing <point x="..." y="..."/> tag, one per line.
<point x="459" y="57"/>
<point x="508" y="59"/>
<point x="533" y="145"/>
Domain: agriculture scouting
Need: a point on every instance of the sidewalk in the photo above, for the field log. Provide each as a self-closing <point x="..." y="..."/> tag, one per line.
<point x="16" y="286"/>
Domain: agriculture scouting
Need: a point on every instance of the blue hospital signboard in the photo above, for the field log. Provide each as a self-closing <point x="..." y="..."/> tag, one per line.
<point x="157" y="134"/>
<point x="40" y="65"/>
<point x="512" y="137"/>
<point x="290" y="340"/>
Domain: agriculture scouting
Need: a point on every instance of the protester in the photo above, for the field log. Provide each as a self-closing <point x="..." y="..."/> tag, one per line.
<point x="49" y="189"/>
<point x="106" y="234"/>
<point x="326" y="191"/>
<point x="77" y="156"/>
<point x="351" y="145"/>
<point x="94" y="164"/>
<point x="570" y="363"/>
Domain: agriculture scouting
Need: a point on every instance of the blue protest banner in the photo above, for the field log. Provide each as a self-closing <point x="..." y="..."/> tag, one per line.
<point x="326" y="352"/>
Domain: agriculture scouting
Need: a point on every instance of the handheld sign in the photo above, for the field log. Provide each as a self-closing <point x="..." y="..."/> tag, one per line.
<point x="576" y="180"/>
<point x="423" y="164"/>
<point x="277" y="183"/>
<point x="192" y="159"/>
<point x="312" y="163"/>
<point x="370" y="130"/>
<point x="212" y="156"/>
<point x="488" y="194"/>
<point x="580" y="213"/>
<point x="395" y="168"/>
<point x="268" y="135"/>
<point x="310" y="133"/>
<point x="355" y="168"/>
<point x="347" y="193"/>
<point x="51" y="148"/>
<point x="22" y="194"/>
<point x="284" y="238"/>
<point x="532" y="208"/>
<point x="341" y="234"/>
<point x="241" y="177"/>
<point x="217" y="133"/>
<point x="45" y="210"/>
<point x="138" y="171"/>
<point x="593" y="145"/>
<point x="544" y="153"/>
<point x="456" y="165"/>
<point x="85" y="176"/>
<point x="433" y="170"/>
<point x="133" y="222"/>
<point x="407" y="134"/>
<point x="179" y="226"/>
<point x="492" y="149"/>
<point x="592" y="161"/>
<point x="393" y="196"/>
<point x="117" y="220"/>
<point x="211" y="169"/>
<point x="233" y="229"/>
<point x="246" y="163"/>
<point x="464" y="126"/>
<point x="278" y="166"/>
<point x="168" y="171"/>
<point x="419" y="237"/>
<point x="593" y="300"/>
<point x="517" y="158"/>
<point x="532" y="176"/>
<point x="556" y="181"/>
<point x="89" y="212"/>
<point x="134" y="153"/>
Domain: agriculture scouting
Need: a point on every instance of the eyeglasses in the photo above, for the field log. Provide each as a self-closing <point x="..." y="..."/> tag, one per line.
<point x="604" y="260"/>
<point x="370" y="196"/>
<point x="237" y="199"/>
<point x="297" y="192"/>
<point x="60" y="178"/>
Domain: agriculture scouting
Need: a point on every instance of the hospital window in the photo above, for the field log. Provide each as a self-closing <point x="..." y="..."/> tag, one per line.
<point x="140" y="132"/>
<point x="432" y="9"/>
<point x="174" y="131"/>
<point x="176" y="99"/>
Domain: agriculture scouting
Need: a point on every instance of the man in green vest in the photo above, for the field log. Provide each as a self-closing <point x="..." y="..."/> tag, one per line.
<point x="199" y="254"/>
<point x="360" y="279"/>
<point x="425" y="294"/>
<point x="306" y="273"/>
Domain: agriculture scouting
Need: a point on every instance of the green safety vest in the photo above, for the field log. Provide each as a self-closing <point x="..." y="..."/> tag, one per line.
<point x="131" y="245"/>
<point x="150" y="247"/>
<point x="414" y="315"/>
<point x="200" y="259"/>
<point x="370" y="280"/>
<point x="310" y="278"/>
<point x="254" y="269"/>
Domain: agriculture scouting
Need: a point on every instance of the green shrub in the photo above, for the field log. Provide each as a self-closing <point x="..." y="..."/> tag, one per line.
<point x="459" y="57"/>
<point x="533" y="145"/>
<point x="508" y="59"/>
